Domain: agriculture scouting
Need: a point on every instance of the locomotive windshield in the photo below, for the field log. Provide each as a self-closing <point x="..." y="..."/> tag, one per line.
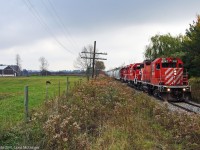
<point x="169" y="65"/>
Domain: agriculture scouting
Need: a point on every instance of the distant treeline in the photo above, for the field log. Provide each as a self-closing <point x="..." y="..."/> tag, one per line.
<point x="44" y="73"/>
<point x="186" y="47"/>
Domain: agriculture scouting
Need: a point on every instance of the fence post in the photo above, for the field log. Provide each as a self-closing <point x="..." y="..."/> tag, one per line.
<point x="59" y="88"/>
<point x="67" y="90"/>
<point x="26" y="115"/>
<point x="46" y="91"/>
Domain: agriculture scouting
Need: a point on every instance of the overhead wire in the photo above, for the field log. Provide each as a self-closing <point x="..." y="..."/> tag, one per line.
<point x="36" y="14"/>
<point x="56" y="20"/>
<point x="64" y="28"/>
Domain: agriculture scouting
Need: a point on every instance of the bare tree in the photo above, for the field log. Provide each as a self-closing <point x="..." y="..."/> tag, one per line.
<point x="43" y="65"/>
<point x="83" y="63"/>
<point x="84" y="59"/>
<point x="18" y="63"/>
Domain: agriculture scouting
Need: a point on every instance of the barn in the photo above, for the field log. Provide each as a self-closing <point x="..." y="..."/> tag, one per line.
<point x="11" y="70"/>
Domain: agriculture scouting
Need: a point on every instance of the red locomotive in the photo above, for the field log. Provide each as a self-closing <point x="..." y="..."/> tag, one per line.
<point x="135" y="73"/>
<point x="131" y="73"/>
<point x="123" y="73"/>
<point x="162" y="77"/>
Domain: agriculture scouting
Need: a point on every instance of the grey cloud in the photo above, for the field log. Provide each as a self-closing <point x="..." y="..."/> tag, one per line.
<point x="85" y="19"/>
<point x="116" y="12"/>
<point x="83" y="15"/>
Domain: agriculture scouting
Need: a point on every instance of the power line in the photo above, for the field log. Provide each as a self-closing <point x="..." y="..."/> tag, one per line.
<point x="42" y="22"/>
<point x="95" y="53"/>
<point x="95" y="58"/>
<point x="59" y="22"/>
<point x="66" y="30"/>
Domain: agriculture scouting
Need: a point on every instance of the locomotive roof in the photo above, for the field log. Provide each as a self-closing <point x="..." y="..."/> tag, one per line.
<point x="131" y="65"/>
<point x="169" y="59"/>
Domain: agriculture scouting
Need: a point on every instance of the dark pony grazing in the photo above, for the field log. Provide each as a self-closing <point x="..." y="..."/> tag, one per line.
<point x="48" y="82"/>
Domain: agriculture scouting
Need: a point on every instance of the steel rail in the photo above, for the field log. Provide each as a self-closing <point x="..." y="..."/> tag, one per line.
<point x="191" y="103"/>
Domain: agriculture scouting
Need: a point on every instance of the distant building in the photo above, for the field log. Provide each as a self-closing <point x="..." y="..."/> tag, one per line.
<point x="10" y="70"/>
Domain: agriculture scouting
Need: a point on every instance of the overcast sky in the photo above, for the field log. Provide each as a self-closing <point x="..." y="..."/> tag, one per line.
<point x="58" y="29"/>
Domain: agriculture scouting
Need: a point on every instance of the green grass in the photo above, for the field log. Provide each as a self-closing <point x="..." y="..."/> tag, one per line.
<point x="12" y="95"/>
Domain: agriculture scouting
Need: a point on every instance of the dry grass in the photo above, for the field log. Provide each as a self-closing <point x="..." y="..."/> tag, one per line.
<point x="105" y="114"/>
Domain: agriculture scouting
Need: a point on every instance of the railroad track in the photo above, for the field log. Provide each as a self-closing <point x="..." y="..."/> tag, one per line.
<point x="187" y="106"/>
<point x="192" y="103"/>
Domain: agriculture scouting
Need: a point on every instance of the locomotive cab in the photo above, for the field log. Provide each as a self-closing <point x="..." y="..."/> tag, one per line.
<point x="130" y="72"/>
<point x="146" y="71"/>
<point x="167" y="71"/>
<point x="137" y="73"/>
<point x="124" y="74"/>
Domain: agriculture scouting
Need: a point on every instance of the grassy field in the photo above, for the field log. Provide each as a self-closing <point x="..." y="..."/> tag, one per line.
<point x="12" y="95"/>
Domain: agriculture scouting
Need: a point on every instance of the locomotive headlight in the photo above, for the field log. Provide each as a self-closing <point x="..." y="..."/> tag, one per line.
<point x="184" y="89"/>
<point x="174" y="72"/>
<point x="168" y="90"/>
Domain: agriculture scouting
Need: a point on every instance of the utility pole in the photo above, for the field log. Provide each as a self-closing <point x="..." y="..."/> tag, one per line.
<point x="94" y="58"/>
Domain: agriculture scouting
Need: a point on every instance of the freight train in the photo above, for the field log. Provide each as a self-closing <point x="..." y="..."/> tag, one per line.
<point x="163" y="78"/>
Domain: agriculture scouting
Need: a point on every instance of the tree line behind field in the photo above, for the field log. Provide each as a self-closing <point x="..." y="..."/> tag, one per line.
<point x="185" y="47"/>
